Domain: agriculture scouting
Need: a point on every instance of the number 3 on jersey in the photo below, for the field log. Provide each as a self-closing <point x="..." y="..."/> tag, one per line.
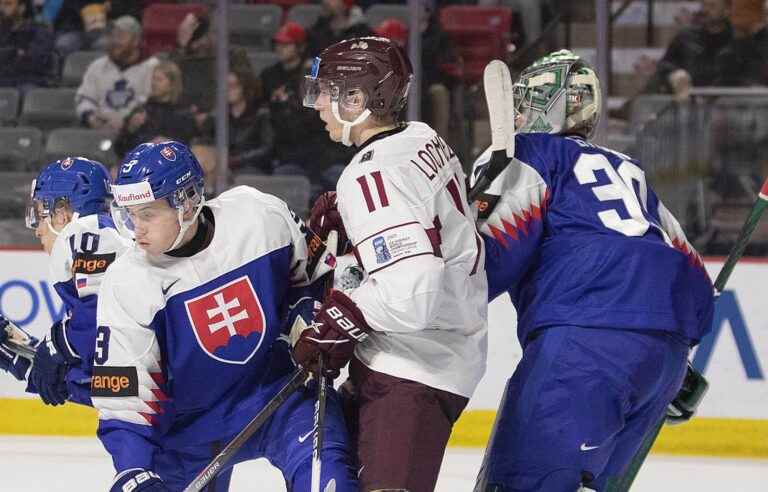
<point x="621" y="187"/>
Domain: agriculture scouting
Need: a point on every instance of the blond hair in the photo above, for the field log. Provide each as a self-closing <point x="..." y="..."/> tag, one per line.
<point x="173" y="74"/>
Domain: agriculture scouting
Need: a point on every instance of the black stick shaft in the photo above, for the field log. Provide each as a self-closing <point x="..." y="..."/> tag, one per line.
<point x="317" y="439"/>
<point x="226" y="454"/>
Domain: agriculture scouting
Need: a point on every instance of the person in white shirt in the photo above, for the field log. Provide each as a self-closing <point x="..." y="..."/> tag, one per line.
<point x="415" y="328"/>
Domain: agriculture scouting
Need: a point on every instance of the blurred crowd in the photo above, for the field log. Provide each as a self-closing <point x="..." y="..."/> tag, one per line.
<point x="131" y="83"/>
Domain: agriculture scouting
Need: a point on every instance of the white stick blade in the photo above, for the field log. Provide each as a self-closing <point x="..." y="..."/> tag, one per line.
<point x="499" y="97"/>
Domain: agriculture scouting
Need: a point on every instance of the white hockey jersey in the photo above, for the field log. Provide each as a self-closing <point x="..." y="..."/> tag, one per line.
<point x="403" y="202"/>
<point x="80" y="256"/>
<point x="195" y="338"/>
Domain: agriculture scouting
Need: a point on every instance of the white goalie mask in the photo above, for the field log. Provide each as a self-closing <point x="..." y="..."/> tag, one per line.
<point x="559" y="93"/>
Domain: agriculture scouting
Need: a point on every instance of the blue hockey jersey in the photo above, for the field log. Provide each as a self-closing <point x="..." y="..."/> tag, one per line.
<point x="577" y="236"/>
<point x="190" y="348"/>
<point x="80" y="256"/>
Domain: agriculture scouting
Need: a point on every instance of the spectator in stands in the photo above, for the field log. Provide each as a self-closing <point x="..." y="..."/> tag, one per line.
<point x="744" y="61"/>
<point x="688" y="60"/>
<point x="161" y="115"/>
<point x="196" y="57"/>
<point x="251" y="137"/>
<point x="79" y="24"/>
<point x="301" y="145"/>
<point x="437" y="52"/>
<point x="341" y="19"/>
<point x="393" y="29"/>
<point x="25" y="46"/>
<point x="115" y="84"/>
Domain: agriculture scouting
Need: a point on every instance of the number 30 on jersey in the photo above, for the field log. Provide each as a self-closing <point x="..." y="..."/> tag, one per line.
<point x="621" y="187"/>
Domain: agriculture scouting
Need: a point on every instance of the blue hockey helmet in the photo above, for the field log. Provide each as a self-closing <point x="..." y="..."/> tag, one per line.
<point x="81" y="184"/>
<point x="153" y="171"/>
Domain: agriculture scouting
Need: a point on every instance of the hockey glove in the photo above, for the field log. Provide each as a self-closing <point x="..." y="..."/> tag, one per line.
<point x="11" y="362"/>
<point x="688" y="398"/>
<point x="138" y="480"/>
<point x="325" y="218"/>
<point x="338" y="327"/>
<point x="52" y="361"/>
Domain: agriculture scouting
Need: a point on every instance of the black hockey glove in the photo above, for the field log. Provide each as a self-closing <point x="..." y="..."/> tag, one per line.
<point x="687" y="400"/>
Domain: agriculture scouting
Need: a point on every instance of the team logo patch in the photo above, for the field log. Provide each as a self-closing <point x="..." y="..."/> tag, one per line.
<point x="114" y="381"/>
<point x="228" y="322"/>
<point x="382" y="252"/>
<point x="168" y="153"/>
<point x="367" y="156"/>
<point x="67" y="163"/>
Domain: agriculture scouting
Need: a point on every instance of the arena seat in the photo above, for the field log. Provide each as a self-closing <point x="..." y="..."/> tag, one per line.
<point x="93" y="144"/>
<point x="20" y="148"/>
<point x="49" y="108"/>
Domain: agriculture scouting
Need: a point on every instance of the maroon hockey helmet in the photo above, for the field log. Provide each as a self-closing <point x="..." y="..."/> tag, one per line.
<point x="375" y="66"/>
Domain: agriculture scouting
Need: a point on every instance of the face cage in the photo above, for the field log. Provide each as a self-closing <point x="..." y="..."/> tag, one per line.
<point x="121" y="216"/>
<point x="540" y="101"/>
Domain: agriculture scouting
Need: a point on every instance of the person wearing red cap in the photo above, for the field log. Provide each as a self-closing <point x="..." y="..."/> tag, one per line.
<point x="437" y="51"/>
<point x="393" y="29"/>
<point x="300" y="144"/>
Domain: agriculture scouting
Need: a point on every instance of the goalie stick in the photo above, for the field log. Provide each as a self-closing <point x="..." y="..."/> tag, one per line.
<point x="623" y="482"/>
<point x="499" y="97"/>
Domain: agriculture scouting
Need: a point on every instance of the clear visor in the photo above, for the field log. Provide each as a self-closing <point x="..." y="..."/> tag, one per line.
<point x="318" y="92"/>
<point x="315" y="89"/>
<point x="125" y="217"/>
<point x="122" y="219"/>
<point x="39" y="210"/>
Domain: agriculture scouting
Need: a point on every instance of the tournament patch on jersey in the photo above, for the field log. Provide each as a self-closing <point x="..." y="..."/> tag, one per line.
<point x="228" y="321"/>
<point x="90" y="263"/>
<point x="108" y="381"/>
<point x="392" y="245"/>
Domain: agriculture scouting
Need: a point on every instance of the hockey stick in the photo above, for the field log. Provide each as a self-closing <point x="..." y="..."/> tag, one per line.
<point x="499" y="97"/>
<point x="17" y="342"/>
<point x="296" y="381"/>
<point x="317" y="438"/>
<point x="623" y="482"/>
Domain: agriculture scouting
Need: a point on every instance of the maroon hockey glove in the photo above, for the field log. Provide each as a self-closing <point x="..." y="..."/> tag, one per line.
<point x="325" y="218"/>
<point x="338" y="327"/>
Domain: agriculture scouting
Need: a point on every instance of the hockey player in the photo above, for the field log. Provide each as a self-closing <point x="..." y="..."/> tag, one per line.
<point x="609" y="294"/>
<point x="69" y="212"/>
<point x="417" y="323"/>
<point x="190" y="343"/>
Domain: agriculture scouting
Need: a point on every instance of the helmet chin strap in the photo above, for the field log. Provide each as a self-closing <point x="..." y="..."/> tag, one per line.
<point x="75" y="215"/>
<point x="185" y="224"/>
<point x="347" y="125"/>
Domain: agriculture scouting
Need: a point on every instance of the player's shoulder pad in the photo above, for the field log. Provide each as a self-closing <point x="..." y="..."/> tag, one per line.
<point x="133" y="287"/>
<point x="397" y="159"/>
<point x="252" y="210"/>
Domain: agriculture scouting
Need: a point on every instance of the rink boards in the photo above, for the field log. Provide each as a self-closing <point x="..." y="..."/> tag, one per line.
<point x="733" y="420"/>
